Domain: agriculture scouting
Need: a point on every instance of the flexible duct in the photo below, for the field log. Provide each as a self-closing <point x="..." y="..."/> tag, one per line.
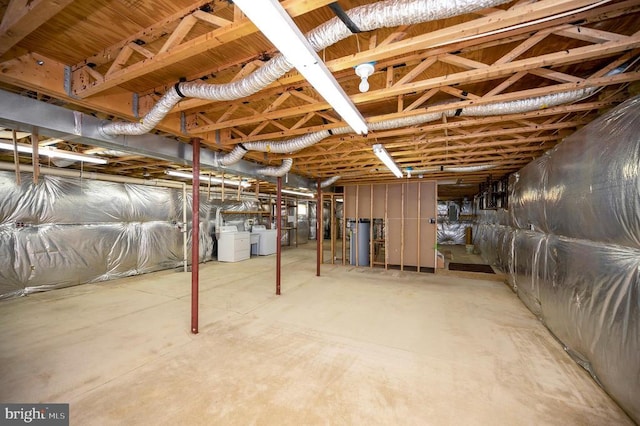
<point x="282" y="170"/>
<point x="468" y="169"/>
<point x="148" y="122"/>
<point x="526" y="105"/>
<point x="388" y="13"/>
<point x="393" y="13"/>
<point x="295" y="144"/>
<point x="367" y="17"/>
<point x="328" y="182"/>
<point x="503" y="108"/>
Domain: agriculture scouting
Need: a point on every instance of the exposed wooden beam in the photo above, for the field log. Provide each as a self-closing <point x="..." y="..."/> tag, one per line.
<point x="188" y="49"/>
<point x="429" y="127"/>
<point x="475" y="75"/>
<point x="22" y="17"/>
<point x="605" y="12"/>
<point x="521" y="48"/>
<point x="462" y="31"/>
<point x="449" y="139"/>
<point x="588" y="34"/>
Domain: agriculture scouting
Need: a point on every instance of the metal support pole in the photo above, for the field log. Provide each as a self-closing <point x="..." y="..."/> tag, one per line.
<point x="319" y="229"/>
<point x="195" y="235"/>
<point x="185" y="250"/>
<point x="35" y="160"/>
<point x="278" y="234"/>
<point x="16" y="159"/>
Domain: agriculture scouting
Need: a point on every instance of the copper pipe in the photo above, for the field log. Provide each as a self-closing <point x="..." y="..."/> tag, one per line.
<point x="279" y="234"/>
<point x="195" y="235"/>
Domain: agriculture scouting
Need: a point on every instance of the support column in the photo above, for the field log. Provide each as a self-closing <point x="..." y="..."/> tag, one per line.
<point x="278" y="234"/>
<point x="319" y="229"/>
<point x="195" y="235"/>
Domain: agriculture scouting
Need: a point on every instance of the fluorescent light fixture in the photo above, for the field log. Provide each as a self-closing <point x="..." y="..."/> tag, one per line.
<point x="207" y="178"/>
<point x="303" y="194"/>
<point x="465" y="169"/>
<point x="383" y="155"/>
<point x="55" y="153"/>
<point x="274" y="22"/>
<point x="454" y="169"/>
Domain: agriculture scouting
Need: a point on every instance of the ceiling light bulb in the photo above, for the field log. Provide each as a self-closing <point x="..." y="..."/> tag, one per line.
<point x="364" y="85"/>
<point x="364" y="71"/>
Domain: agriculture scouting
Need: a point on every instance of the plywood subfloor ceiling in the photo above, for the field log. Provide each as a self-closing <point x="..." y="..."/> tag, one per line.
<point x="122" y="55"/>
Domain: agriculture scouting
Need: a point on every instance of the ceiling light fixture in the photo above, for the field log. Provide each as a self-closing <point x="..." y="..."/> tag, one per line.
<point x="274" y="22"/>
<point x="55" y="153"/>
<point x="303" y="194"/>
<point x="383" y="155"/>
<point x="364" y="71"/>
<point x="207" y="178"/>
<point x="452" y="169"/>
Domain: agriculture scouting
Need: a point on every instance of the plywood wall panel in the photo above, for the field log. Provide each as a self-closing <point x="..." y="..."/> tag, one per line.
<point x="379" y="201"/>
<point x="394" y="227"/>
<point x="411" y="224"/>
<point x="364" y="202"/>
<point x="350" y="201"/>
<point x="428" y="211"/>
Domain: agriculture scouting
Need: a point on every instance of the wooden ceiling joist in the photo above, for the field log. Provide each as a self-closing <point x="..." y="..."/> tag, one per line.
<point x="24" y="16"/>
<point x="178" y="52"/>
<point x="519" y="50"/>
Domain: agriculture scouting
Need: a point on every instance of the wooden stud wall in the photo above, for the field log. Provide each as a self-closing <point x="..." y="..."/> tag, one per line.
<point x="408" y="210"/>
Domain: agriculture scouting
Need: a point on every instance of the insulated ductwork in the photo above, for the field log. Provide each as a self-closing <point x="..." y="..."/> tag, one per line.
<point x="282" y="170"/>
<point x="388" y="13"/>
<point x="231" y="158"/>
<point x="503" y="108"/>
<point x="393" y="13"/>
<point x="454" y="169"/>
<point x="524" y="105"/>
<point x="468" y="169"/>
<point x="328" y="182"/>
<point x="292" y="145"/>
<point x="148" y="122"/>
<point x="280" y="147"/>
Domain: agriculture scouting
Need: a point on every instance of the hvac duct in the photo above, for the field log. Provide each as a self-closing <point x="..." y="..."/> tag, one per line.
<point x="328" y="182"/>
<point x="389" y="13"/>
<point x="282" y="170"/>
<point x="367" y="17"/>
<point x="310" y="139"/>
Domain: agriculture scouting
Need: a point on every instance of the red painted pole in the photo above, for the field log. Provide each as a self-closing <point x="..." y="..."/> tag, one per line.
<point x="279" y="234"/>
<point x="195" y="235"/>
<point x="319" y="229"/>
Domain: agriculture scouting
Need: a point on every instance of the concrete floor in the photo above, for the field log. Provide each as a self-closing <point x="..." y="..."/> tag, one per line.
<point x="355" y="346"/>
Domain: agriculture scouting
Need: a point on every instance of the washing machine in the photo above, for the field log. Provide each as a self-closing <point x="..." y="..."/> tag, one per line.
<point x="233" y="245"/>
<point x="266" y="242"/>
